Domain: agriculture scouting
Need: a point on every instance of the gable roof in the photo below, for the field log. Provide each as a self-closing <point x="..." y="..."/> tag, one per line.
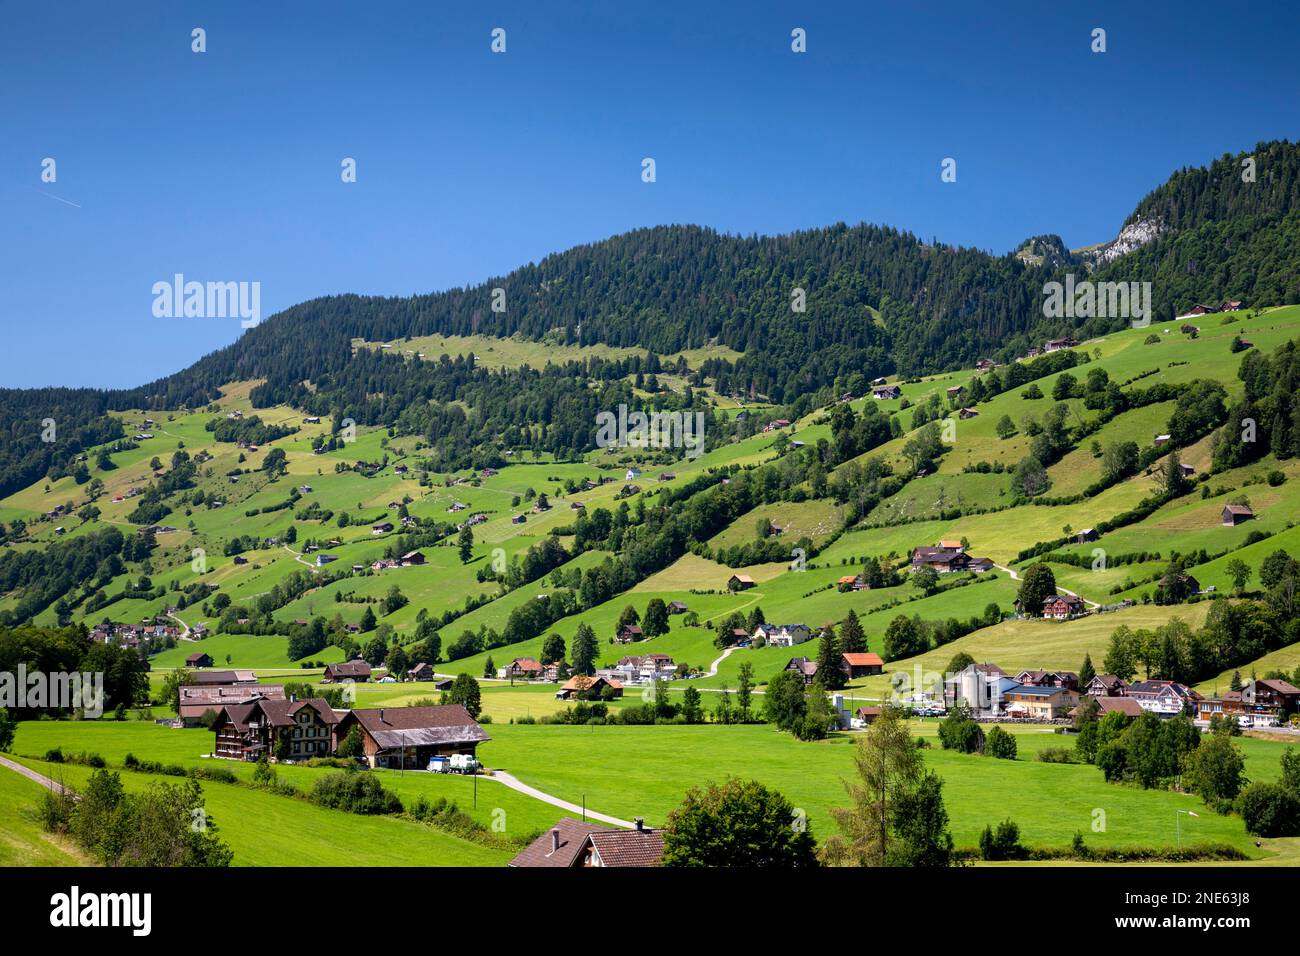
<point x="391" y="727"/>
<point x="627" y="847"/>
<point x="543" y="851"/>
<point x="356" y="668"/>
<point x="863" y="659"/>
<point x="278" y="713"/>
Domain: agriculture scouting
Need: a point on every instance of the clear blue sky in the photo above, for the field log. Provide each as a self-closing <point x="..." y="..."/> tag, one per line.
<point x="225" y="165"/>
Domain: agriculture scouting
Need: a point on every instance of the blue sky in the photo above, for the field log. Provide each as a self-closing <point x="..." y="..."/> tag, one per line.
<point x="225" y="165"/>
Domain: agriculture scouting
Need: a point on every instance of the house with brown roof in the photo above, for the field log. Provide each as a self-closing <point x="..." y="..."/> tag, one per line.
<point x="294" y="730"/>
<point x="357" y="671"/>
<point x="223" y="677"/>
<point x="740" y="582"/>
<point x="1062" y="607"/>
<point x="629" y="633"/>
<point x="559" y="846"/>
<point x="578" y="843"/>
<point x="621" y="848"/>
<point x="198" y="659"/>
<point x="1106" y="685"/>
<point x="582" y="687"/>
<point x="420" y="672"/>
<point x="883" y="392"/>
<point x="195" y="700"/>
<point x="1124" y="705"/>
<point x="1236" y="514"/>
<point x="524" y="668"/>
<point x="804" y="667"/>
<point x="407" y="737"/>
<point x="1278" y="695"/>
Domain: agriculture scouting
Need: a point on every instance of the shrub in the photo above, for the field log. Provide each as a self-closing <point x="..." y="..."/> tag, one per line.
<point x="356" y="792"/>
<point x="1002" y="843"/>
<point x="1056" y="755"/>
<point x="998" y="743"/>
<point x="1270" y="810"/>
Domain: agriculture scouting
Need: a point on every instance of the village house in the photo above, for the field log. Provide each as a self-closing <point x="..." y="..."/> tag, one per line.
<point x="590" y="688"/>
<point x="1067" y="679"/>
<point x="1236" y="514"/>
<point x="357" y="671"/>
<point x="1039" y="703"/>
<point x="632" y="473"/>
<point x="1106" y="685"/>
<point x="677" y="607"/>
<point x="573" y="843"/>
<point x="883" y="392"/>
<point x="782" y="635"/>
<point x="629" y="633"/>
<point x="198" y="659"/>
<point x="740" y="582"/>
<point x="1229" y="705"/>
<point x="851" y="582"/>
<point x="968" y="413"/>
<point x="523" y="668"/>
<point x="955" y="390"/>
<point x="412" y="559"/>
<point x="1271" y="694"/>
<point x="1055" y="345"/>
<point x="804" y="667"/>
<point x="1195" y="310"/>
<point x="223" y="677"/>
<point x="1165" y="698"/>
<point x="195" y="700"/>
<point x="1062" y="607"/>
<point x="948" y="557"/>
<point x="297" y="730"/>
<point x="1124" y="705"/>
<point x="984" y="365"/>
<point x="406" y="738"/>
<point x="422" y="671"/>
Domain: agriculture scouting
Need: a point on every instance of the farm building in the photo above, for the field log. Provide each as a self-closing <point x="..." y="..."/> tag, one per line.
<point x="882" y="392"/>
<point x="804" y="667"/>
<point x="740" y="582"/>
<point x="861" y="664"/>
<point x="198" y="659"/>
<point x="406" y="737"/>
<point x="580" y="686"/>
<point x="358" y="671"/>
<point x="1236" y="514"/>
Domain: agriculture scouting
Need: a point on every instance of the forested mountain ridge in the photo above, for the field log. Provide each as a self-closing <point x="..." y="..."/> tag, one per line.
<point x="1205" y="234"/>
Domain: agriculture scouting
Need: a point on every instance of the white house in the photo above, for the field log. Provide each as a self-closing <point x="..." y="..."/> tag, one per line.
<point x="782" y="635"/>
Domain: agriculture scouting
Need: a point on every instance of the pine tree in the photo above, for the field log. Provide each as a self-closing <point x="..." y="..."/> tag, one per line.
<point x="583" y="652"/>
<point x="830" y="670"/>
<point x="853" y="640"/>
<point x="1087" y="672"/>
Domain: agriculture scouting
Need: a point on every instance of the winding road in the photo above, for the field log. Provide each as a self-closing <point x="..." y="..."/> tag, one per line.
<point x="1016" y="577"/>
<point x="514" y="783"/>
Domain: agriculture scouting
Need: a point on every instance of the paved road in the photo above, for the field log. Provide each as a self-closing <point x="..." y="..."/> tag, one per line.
<point x="30" y="774"/>
<point x="713" y="668"/>
<point x="515" y="784"/>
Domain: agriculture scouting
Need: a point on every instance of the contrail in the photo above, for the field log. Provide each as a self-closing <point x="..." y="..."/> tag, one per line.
<point x="52" y="196"/>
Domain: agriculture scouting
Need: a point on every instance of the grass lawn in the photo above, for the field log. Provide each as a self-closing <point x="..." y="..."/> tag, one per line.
<point x="23" y="841"/>
<point x="1049" y="801"/>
